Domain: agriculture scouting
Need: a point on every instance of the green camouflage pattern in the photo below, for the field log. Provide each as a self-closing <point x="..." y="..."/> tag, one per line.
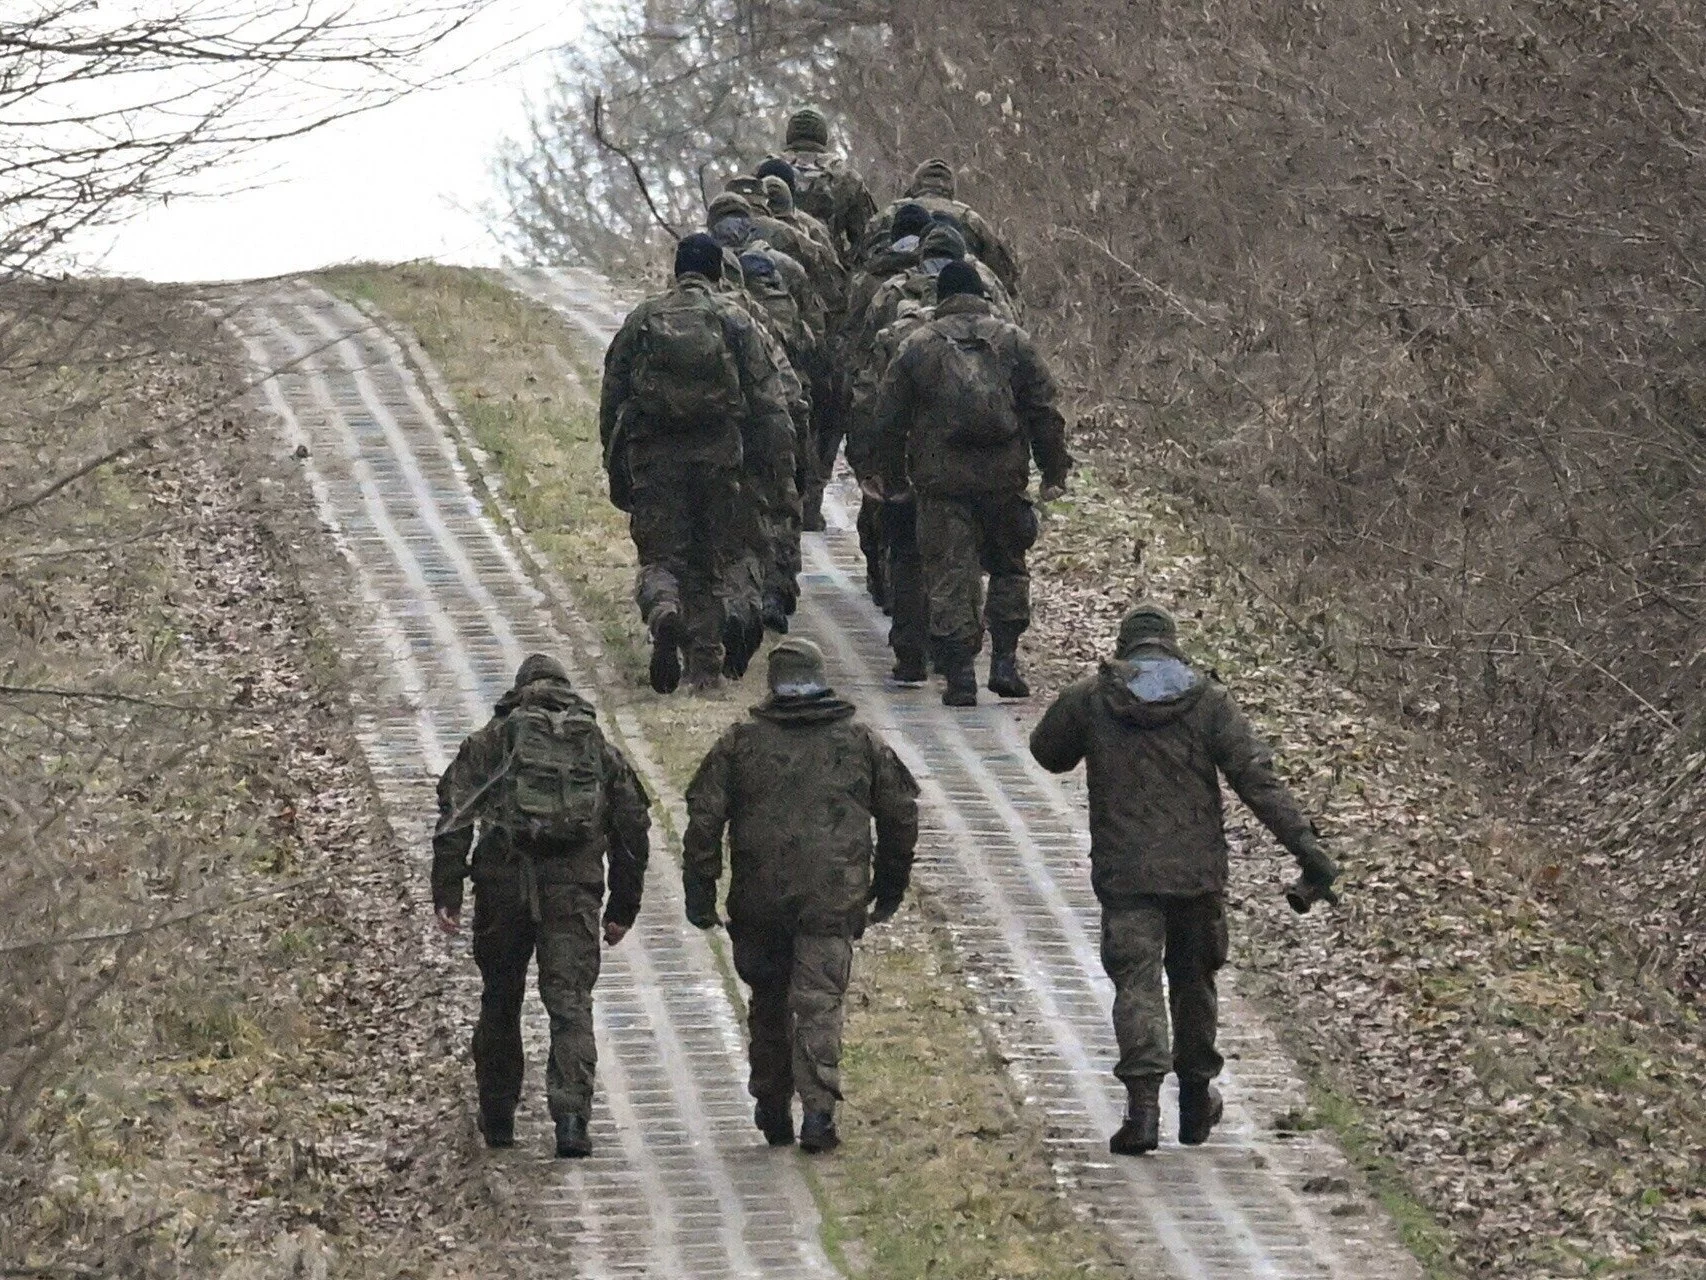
<point x="1185" y="938"/>
<point x="795" y="1012"/>
<point x="1154" y="771"/>
<point x="913" y="427"/>
<point x="960" y="539"/>
<point x="797" y="786"/>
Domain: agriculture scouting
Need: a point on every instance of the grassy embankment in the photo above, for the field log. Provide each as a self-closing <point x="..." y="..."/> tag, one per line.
<point x="940" y="1174"/>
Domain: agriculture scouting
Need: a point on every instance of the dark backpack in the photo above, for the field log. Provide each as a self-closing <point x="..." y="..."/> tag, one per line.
<point x="551" y="789"/>
<point x="685" y="375"/>
<point x="973" y="391"/>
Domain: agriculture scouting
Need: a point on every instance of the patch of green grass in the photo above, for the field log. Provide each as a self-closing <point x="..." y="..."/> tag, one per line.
<point x="1423" y="1235"/>
<point x="941" y="1174"/>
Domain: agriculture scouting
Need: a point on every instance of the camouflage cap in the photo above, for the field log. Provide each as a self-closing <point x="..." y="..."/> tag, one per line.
<point x="934" y="177"/>
<point x="1148" y="621"/>
<point x="539" y="666"/>
<point x="728" y="205"/>
<point x="942" y="241"/>
<point x="796" y="669"/>
<point x="778" y="195"/>
<point x="744" y="184"/>
<point x="808" y="124"/>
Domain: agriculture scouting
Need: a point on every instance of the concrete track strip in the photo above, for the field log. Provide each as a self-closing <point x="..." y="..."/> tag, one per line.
<point x="1004" y="853"/>
<point x="682" y="1185"/>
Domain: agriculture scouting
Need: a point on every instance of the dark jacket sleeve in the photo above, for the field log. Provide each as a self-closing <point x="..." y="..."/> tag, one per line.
<point x="453" y="837"/>
<point x="767" y="421"/>
<point x="1061" y="737"/>
<point x="708" y="812"/>
<point x="894" y="805"/>
<point x="618" y="375"/>
<point x="628" y="821"/>
<point x="1035" y="397"/>
<point x="1248" y="764"/>
<point x="891" y="418"/>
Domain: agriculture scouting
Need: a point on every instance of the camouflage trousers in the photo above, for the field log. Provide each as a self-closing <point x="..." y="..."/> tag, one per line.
<point x="775" y="533"/>
<point x="565" y="939"/>
<point x="693" y="532"/>
<point x="1185" y="938"/>
<point x="960" y="539"/>
<point x="794" y="1017"/>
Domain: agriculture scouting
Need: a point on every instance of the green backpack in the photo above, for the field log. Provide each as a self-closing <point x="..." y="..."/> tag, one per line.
<point x="685" y="375"/>
<point x="552" y="785"/>
<point x="973" y="390"/>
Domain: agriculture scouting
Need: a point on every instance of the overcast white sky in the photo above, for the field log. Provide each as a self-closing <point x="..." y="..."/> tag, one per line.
<point x="405" y="181"/>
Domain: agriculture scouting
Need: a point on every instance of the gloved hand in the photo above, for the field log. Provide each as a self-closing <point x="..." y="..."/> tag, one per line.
<point x="1052" y="490"/>
<point x="1316" y="882"/>
<point x="885" y="899"/>
<point x="701" y="897"/>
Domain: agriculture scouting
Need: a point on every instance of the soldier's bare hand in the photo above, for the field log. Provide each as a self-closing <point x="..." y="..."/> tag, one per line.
<point x="449" y="921"/>
<point x="614" y="933"/>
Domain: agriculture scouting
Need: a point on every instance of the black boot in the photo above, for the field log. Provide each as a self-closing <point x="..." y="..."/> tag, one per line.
<point x="497" y="1125"/>
<point x="742" y="637"/>
<point x="776" y="612"/>
<point x="910" y="667"/>
<point x="1200" y="1109"/>
<point x="573" y="1141"/>
<point x="961" y="690"/>
<point x="817" y="1132"/>
<point x="1141" y="1132"/>
<point x="776" y="1120"/>
<point x="1004" y="677"/>
<point x="666" y="651"/>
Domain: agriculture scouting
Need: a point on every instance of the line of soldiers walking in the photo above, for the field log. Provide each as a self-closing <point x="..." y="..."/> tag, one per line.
<point x="801" y="314"/>
<point x="800" y="317"/>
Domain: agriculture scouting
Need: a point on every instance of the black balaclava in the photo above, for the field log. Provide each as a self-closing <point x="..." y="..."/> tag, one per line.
<point x="699" y="254"/>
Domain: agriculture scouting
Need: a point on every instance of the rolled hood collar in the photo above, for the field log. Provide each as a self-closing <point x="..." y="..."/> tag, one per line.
<point x="1152" y="687"/>
<point x="819" y="708"/>
<point x="555" y="694"/>
<point x="963" y="304"/>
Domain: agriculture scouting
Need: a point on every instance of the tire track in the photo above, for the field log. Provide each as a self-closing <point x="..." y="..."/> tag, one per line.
<point x="681" y="1185"/>
<point x="1004" y="854"/>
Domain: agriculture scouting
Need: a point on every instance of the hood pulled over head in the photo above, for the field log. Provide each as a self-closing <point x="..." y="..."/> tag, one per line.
<point x="1151" y="687"/>
<point x="935" y="177"/>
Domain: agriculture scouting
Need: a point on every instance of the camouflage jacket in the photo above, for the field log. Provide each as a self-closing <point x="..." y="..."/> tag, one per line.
<point x="617" y="857"/>
<point x="834" y="193"/>
<point x="1156" y="736"/>
<point x="913" y="429"/>
<point x="799" y="787"/>
<point x="982" y="240"/>
<point x="622" y="424"/>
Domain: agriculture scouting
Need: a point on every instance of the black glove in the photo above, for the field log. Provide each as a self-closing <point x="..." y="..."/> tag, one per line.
<point x="885" y="898"/>
<point x="1316" y="882"/>
<point x="701" y="897"/>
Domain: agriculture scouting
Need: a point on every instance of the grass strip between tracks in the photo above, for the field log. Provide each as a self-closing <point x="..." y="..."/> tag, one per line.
<point x="941" y="1173"/>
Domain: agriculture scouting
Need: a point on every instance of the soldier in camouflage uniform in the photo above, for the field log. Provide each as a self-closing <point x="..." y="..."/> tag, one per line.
<point x="963" y="408"/>
<point x="537" y="895"/>
<point x="825" y="185"/>
<point x="682" y="481"/>
<point x="799" y="787"/>
<point x="1156" y="737"/>
<point x="933" y="186"/>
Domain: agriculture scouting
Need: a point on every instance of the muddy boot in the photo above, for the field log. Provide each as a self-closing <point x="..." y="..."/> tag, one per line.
<point x="666" y="650"/>
<point x="817" y="1132"/>
<point x="1004" y="677"/>
<point x="1141" y="1132"/>
<point x="497" y="1125"/>
<point x="910" y="667"/>
<point x="1200" y="1109"/>
<point x="776" y="611"/>
<point x="775" y="1119"/>
<point x="573" y="1141"/>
